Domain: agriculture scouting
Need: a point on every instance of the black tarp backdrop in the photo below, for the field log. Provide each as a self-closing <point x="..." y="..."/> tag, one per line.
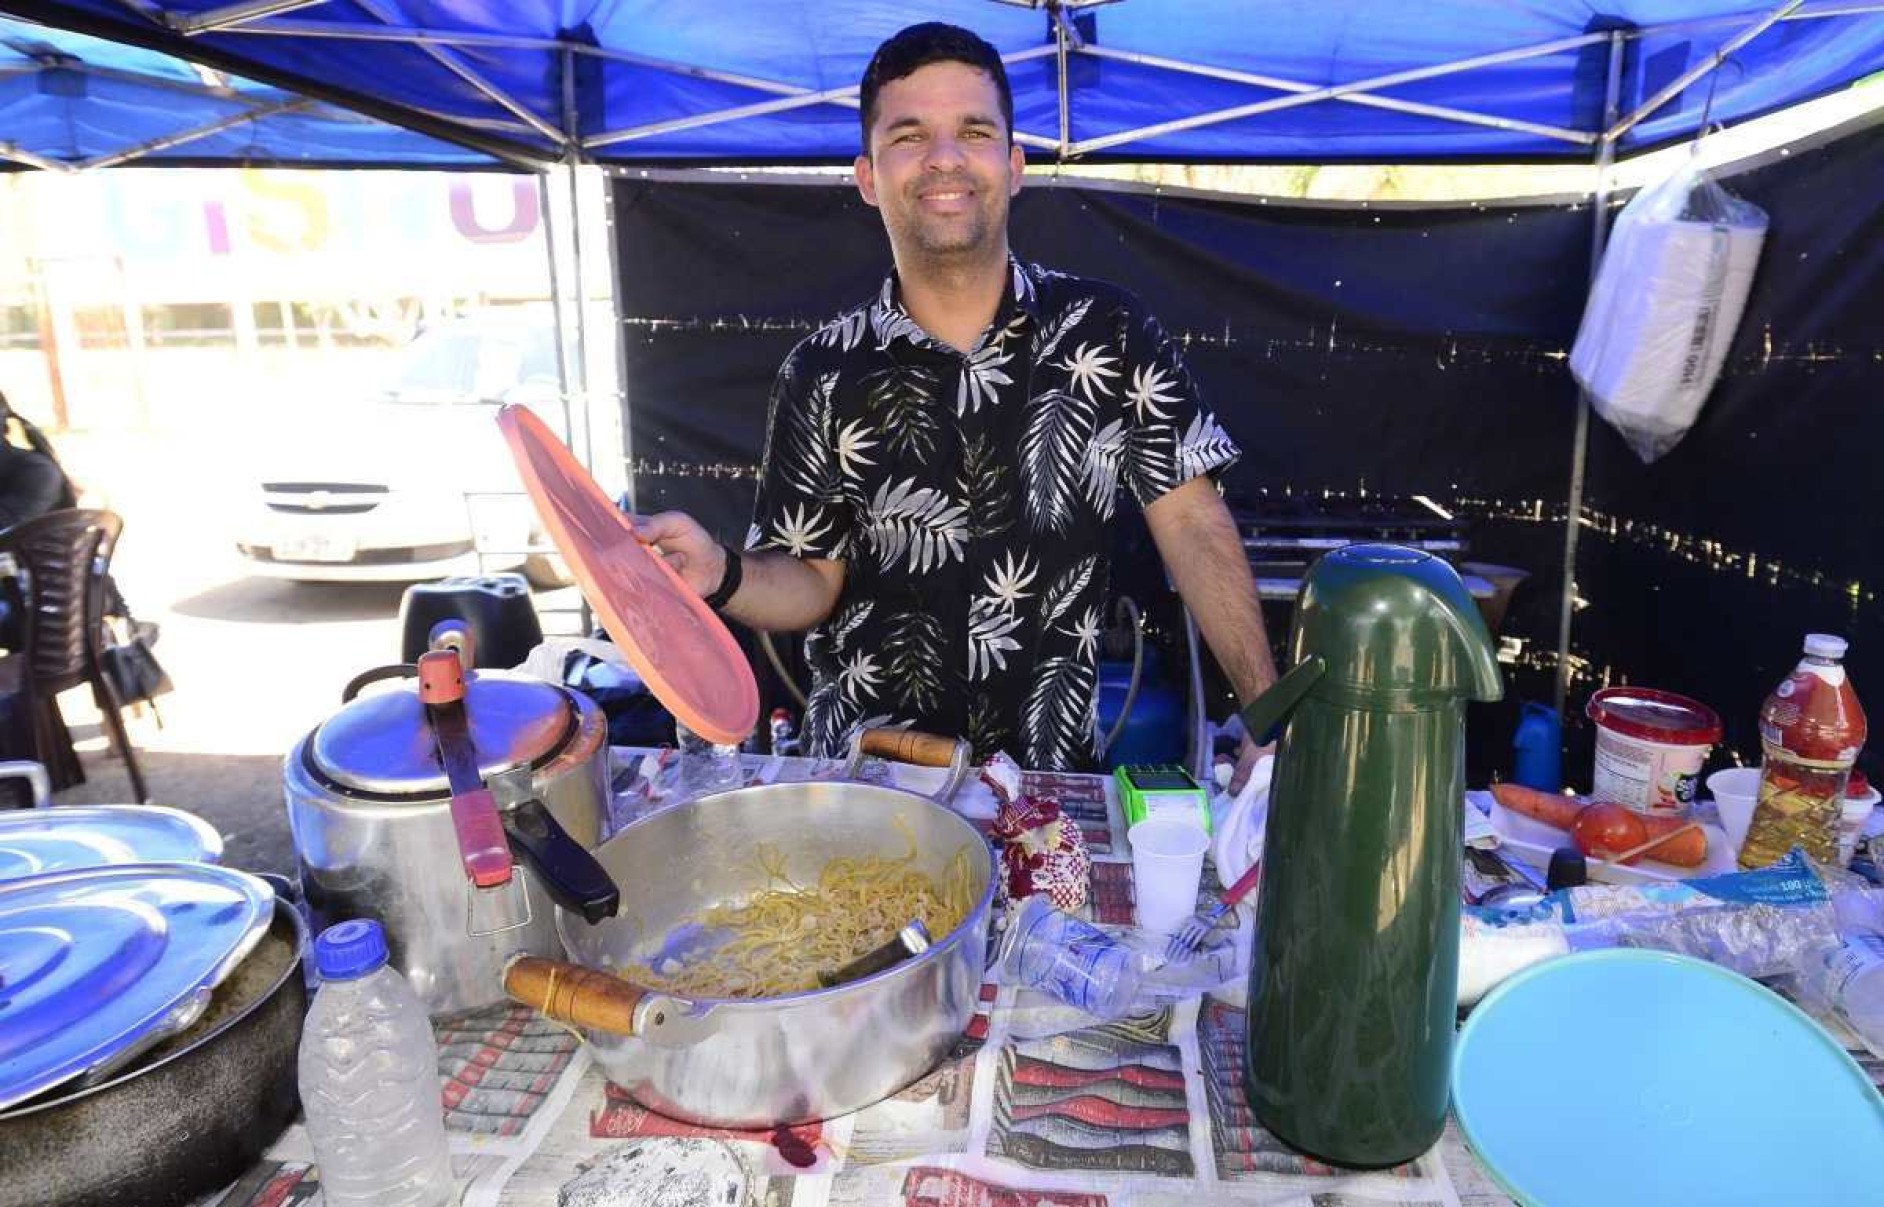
<point x="1385" y="352"/>
<point x="1705" y="570"/>
<point x="1395" y="352"/>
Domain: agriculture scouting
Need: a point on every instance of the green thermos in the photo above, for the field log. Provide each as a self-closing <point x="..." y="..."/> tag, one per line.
<point x="1353" y="982"/>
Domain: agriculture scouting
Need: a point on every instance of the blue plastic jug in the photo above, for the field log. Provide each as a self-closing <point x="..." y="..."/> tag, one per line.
<point x="1539" y="743"/>
<point x="1154" y="730"/>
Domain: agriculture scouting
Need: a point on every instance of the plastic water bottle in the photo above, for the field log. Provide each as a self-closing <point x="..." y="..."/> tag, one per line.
<point x="1849" y="979"/>
<point x="705" y="765"/>
<point x="369" y="1079"/>
<point x="1070" y="959"/>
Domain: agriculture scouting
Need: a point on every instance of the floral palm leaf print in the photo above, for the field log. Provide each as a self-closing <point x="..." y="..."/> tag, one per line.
<point x="1203" y="445"/>
<point x="847" y="621"/>
<point x="901" y="401"/>
<point x="859" y="677"/>
<point x="986" y="484"/>
<point x="1150" y="387"/>
<point x="1092" y="371"/>
<point x="1055" y="329"/>
<point x="1056" y="723"/>
<point x="1105" y="456"/>
<point x="989" y="636"/>
<point x="807" y="444"/>
<point x="1066" y="589"/>
<point x="828" y="716"/>
<point x="798" y="530"/>
<point x="915" y="521"/>
<point x="846" y="332"/>
<point x="981" y="378"/>
<point x="986" y="727"/>
<point x="1053" y="448"/>
<point x="914" y="654"/>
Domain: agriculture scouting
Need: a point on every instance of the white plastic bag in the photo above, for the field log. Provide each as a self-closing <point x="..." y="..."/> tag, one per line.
<point x="1666" y="302"/>
<point x="550" y="660"/>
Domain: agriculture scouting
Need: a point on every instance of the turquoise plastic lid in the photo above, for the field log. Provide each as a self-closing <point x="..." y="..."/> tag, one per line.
<point x="1618" y="1077"/>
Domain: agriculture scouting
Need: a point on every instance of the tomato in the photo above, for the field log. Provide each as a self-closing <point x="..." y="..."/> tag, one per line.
<point x="1606" y="829"/>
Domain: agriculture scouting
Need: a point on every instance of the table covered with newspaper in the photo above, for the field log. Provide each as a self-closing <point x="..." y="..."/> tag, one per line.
<point x="1039" y="1105"/>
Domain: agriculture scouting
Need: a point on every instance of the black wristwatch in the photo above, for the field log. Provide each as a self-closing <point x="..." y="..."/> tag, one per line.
<point x="729" y="580"/>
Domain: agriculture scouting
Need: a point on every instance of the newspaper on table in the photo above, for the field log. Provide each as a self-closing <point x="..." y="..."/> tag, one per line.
<point x="1038" y="1105"/>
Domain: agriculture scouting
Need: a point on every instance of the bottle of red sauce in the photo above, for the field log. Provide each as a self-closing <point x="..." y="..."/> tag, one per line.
<point x="1811" y="729"/>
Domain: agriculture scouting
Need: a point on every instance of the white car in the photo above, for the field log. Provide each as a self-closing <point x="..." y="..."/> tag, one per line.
<point x="416" y="483"/>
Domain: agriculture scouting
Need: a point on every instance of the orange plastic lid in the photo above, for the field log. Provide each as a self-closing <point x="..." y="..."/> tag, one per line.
<point x="679" y="647"/>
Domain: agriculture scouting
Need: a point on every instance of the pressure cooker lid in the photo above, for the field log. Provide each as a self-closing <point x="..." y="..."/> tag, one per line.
<point x="98" y="963"/>
<point x="382" y="743"/>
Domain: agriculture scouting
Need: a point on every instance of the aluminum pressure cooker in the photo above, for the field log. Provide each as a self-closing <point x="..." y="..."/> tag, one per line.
<point x="378" y="802"/>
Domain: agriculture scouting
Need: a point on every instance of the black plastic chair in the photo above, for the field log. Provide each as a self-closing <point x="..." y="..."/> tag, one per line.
<point x="60" y="562"/>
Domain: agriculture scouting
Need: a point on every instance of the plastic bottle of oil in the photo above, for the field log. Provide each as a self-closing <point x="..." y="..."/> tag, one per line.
<point x="1811" y="729"/>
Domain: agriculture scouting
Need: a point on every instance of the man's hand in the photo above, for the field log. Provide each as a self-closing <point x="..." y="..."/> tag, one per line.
<point x="1246" y="756"/>
<point x="690" y="549"/>
<point x="777" y="593"/>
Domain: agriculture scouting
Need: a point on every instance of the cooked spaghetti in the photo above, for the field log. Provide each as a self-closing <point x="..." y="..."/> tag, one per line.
<point x="787" y="933"/>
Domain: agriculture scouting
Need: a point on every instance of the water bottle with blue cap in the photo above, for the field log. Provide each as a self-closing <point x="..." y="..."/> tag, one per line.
<point x="369" y="1079"/>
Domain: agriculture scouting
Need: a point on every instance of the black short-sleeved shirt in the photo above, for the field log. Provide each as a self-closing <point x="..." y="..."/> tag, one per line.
<point x="968" y="496"/>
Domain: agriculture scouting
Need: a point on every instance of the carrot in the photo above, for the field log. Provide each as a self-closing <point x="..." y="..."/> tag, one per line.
<point x="1684" y="850"/>
<point x="1551" y="808"/>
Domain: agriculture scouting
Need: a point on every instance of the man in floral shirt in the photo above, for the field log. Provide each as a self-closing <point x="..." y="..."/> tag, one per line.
<point x="943" y="461"/>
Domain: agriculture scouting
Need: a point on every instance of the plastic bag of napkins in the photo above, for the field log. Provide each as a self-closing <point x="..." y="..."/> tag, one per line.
<point x="1667" y="300"/>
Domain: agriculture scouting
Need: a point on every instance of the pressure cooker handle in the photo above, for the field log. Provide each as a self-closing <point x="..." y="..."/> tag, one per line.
<point x="910" y="746"/>
<point x="365" y="679"/>
<point x="575" y="879"/>
<point x="570" y="993"/>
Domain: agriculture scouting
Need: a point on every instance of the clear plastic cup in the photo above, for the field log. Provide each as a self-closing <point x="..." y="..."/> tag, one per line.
<point x="1735" y="791"/>
<point x="1167" y="866"/>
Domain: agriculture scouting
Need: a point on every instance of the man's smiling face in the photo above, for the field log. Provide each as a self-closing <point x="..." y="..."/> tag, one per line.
<point x="941" y="166"/>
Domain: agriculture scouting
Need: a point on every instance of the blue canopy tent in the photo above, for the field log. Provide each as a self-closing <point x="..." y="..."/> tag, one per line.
<point x="69" y="102"/>
<point x="692" y="84"/>
<point x="628" y="81"/>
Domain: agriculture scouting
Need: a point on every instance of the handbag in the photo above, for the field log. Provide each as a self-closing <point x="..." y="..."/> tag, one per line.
<point x="132" y="668"/>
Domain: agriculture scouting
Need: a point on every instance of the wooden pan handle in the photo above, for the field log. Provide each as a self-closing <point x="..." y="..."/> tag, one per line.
<point x="571" y="993"/>
<point x="908" y="746"/>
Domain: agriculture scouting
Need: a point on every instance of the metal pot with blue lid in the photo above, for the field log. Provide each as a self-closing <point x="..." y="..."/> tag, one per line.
<point x="456" y="809"/>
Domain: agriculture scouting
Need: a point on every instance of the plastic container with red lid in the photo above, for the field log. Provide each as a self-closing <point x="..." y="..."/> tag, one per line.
<point x="1650" y="746"/>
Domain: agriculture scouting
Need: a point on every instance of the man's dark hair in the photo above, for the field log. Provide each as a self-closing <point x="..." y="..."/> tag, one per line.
<point x="909" y="50"/>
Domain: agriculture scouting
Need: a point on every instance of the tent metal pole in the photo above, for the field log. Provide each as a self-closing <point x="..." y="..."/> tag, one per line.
<point x="546" y="203"/>
<point x="572" y="131"/>
<point x="149" y="10"/>
<point x="1335" y="91"/>
<point x="1580" y="441"/>
<point x="151" y="81"/>
<point x="1870" y="9"/>
<point x="1614" y="130"/>
<point x="1462" y="116"/>
<point x="21" y="155"/>
<point x="416" y="35"/>
<point x="798" y="98"/>
<point x="1060" y="41"/>
<point x="232" y="15"/>
<point x="804" y="100"/>
<point x="189" y="136"/>
<point x="464" y="71"/>
<point x="625" y="444"/>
